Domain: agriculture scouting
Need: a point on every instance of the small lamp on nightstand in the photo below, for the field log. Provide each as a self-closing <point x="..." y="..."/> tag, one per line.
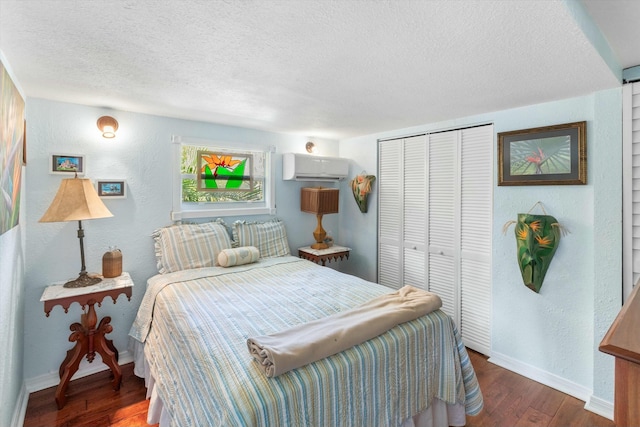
<point x="76" y="200"/>
<point x="319" y="201"/>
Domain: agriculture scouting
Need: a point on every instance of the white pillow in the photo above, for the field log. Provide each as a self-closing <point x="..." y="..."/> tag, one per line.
<point x="238" y="256"/>
<point x="186" y="246"/>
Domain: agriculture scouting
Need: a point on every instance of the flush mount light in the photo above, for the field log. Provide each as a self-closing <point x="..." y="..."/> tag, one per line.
<point x="311" y="147"/>
<point x="108" y="126"/>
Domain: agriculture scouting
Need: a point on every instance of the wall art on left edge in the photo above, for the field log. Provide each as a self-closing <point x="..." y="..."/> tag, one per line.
<point x="11" y="146"/>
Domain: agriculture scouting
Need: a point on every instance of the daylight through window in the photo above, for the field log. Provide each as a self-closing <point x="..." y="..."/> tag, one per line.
<point x="213" y="180"/>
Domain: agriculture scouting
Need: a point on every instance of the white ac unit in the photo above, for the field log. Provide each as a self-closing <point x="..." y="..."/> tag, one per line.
<point x="304" y="167"/>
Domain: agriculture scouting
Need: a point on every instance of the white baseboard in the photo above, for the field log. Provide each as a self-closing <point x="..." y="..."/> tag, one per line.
<point x="52" y="379"/>
<point x="602" y="407"/>
<point x="593" y="404"/>
<point x="21" y="407"/>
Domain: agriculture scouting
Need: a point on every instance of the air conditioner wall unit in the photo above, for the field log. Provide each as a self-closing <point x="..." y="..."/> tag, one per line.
<point x="304" y="167"/>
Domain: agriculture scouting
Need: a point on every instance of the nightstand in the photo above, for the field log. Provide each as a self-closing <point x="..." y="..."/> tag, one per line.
<point x="89" y="339"/>
<point x="324" y="255"/>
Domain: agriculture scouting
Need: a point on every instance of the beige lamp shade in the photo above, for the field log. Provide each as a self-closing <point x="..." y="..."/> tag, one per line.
<point x="76" y="200"/>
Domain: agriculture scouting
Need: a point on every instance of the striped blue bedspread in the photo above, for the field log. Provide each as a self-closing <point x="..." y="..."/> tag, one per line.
<point x="195" y="325"/>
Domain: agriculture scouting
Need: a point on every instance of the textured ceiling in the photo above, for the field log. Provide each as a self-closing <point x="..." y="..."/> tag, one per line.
<point x="331" y="69"/>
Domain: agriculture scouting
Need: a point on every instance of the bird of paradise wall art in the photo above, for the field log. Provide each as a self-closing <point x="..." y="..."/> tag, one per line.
<point x="224" y="171"/>
<point x="361" y="187"/>
<point x="537" y="239"/>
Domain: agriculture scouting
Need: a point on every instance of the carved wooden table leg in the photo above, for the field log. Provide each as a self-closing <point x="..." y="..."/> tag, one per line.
<point x="70" y="364"/>
<point x="106" y="349"/>
<point x="89" y="340"/>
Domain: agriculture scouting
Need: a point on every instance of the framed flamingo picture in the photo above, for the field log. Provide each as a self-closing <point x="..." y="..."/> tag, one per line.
<point x="551" y="155"/>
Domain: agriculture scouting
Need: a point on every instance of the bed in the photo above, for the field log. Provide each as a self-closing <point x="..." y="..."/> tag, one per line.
<point x="190" y="341"/>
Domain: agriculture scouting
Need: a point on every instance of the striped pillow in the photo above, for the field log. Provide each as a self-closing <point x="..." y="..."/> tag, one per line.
<point x="186" y="246"/>
<point x="238" y="256"/>
<point x="269" y="237"/>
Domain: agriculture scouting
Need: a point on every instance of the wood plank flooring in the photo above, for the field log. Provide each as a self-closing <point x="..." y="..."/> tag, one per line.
<point x="509" y="400"/>
<point x="91" y="402"/>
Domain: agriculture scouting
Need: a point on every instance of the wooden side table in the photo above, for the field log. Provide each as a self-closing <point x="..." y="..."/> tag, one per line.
<point x="323" y="255"/>
<point x="89" y="339"/>
<point x="623" y="341"/>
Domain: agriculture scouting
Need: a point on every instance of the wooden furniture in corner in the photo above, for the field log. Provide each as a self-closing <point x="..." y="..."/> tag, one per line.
<point x="89" y="339"/>
<point x="323" y="255"/>
<point x="623" y="341"/>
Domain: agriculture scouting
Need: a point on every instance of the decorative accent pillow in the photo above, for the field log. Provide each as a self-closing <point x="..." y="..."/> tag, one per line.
<point x="186" y="246"/>
<point x="238" y="256"/>
<point x="270" y="237"/>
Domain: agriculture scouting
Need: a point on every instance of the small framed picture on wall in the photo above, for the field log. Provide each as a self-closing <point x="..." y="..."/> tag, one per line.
<point x="67" y="164"/>
<point x="112" y="188"/>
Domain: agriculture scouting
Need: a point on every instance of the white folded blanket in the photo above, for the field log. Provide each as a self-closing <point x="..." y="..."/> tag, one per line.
<point x="302" y="344"/>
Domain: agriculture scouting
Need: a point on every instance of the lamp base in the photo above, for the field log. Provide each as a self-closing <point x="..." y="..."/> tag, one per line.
<point x="82" y="281"/>
<point x="319" y="245"/>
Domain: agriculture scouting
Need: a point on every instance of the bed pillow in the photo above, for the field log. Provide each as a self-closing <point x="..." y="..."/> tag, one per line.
<point x="186" y="246"/>
<point x="270" y="237"/>
<point x="238" y="256"/>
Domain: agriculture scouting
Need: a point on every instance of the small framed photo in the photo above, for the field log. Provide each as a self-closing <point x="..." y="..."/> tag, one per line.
<point x="67" y="163"/>
<point x="112" y="188"/>
<point x="551" y="155"/>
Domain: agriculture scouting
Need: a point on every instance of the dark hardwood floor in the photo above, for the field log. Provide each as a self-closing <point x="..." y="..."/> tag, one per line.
<point x="513" y="400"/>
<point x="510" y="400"/>
<point x="91" y="402"/>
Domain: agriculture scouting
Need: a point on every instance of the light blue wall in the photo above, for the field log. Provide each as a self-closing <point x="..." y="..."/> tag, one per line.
<point x="559" y="329"/>
<point x="11" y="307"/>
<point x="140" y="154"/>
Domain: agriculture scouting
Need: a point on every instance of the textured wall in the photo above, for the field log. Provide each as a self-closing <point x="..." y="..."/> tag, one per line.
<point x="559" y="329"/>
<point x="140" y="154"/>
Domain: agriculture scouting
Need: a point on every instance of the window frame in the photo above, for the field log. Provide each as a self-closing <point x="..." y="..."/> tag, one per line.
<point x="183" y="210"/>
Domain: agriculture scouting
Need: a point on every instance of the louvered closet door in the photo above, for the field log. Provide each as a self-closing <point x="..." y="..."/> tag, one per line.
<point x="415" y="212"/>
<point x="436" y="199"/>
<point x="442" y="219"/>
<point x="476" y="185"/>
<point x="635" y="186"/>
<point x="390" y="213"/>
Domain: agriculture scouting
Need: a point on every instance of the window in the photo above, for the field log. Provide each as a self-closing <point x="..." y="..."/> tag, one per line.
<point x="212" y="179"/>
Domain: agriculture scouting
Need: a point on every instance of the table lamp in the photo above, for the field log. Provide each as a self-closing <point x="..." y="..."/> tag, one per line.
<point x="76" y="200"/>
<point x="319" y="201"/>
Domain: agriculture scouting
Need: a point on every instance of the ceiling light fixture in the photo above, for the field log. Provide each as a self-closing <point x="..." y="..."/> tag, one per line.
<point x="108" y="126"/>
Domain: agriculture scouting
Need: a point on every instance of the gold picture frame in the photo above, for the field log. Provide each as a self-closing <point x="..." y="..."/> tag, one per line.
<point x="550" y="155"/>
